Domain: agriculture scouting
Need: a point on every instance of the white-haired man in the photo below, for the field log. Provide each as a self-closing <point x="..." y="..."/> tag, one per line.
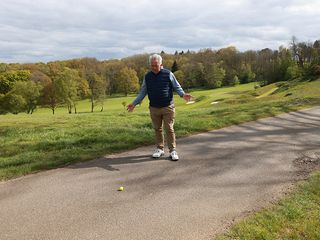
<point x="159" y="84"/>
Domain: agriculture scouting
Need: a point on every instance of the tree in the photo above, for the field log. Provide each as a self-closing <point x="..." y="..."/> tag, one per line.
<point x="128" y="81"/>
<point x="265" y="66"/>
<point x="93" y="71"/>
<point x="180" y="77"/>
<point x="246" y="74"/>
<point x="111" y="72"/>
<point x="101" y="94"/>
<point x="40" y="78"/>
<point x="174" y="67"/>
<point x="2" y="104"/>
<point x="7" y="79"/>
<point x="30" y="91"/>
<point x="315" y="70"/>
<point x="83" y="90"/>
<point x="3" y="67"/>
<point x="206" y="57"/>
<point x="5" y="84"/>
<point x="194" y="75"/>
<point x="12" y="103"/>
<point x="20" y="75"/>
<point x="316" y="47"/>
<point x="97" y="89"/>
<point x="235" y="81"/>
<point x="199" y="76"/>
<point x="66" y="83"/>
<point x="292" y="72"/>
<point x="215" y="75"/>
<point x="231" y="62"/>
<point x="49" y="96"/>
<point x="297" y="51"/>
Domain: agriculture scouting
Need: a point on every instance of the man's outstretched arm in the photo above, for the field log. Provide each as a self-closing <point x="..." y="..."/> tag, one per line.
<point x="139" y="98"/>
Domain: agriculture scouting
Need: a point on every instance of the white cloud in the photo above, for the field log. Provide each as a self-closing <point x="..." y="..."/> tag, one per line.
<point x="35" y="30"/>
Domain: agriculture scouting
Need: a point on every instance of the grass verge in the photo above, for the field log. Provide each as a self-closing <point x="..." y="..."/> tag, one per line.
<point x="295" y="217"/>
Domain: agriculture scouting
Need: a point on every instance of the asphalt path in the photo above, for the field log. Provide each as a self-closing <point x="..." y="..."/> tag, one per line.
<point x="221" y="176"/>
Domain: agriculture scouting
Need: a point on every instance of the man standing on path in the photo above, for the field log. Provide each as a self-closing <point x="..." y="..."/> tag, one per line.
<point x="159" y="84"/>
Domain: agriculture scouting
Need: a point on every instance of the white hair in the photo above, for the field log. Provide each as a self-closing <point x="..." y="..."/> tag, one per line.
<point x="155" y="57"/>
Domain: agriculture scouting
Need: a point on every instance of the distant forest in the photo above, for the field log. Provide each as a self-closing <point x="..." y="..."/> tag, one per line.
<point x="23" y="87"/>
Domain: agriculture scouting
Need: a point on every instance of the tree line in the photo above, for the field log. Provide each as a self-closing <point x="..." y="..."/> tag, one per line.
<point x="24" y="87"/>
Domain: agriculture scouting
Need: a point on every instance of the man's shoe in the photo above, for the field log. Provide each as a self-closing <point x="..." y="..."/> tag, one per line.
<point x="158" y="153"/>
<point x="174" y="156"/>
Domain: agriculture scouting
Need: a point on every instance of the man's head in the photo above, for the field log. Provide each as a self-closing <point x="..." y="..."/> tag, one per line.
<point x="155" y="62"/>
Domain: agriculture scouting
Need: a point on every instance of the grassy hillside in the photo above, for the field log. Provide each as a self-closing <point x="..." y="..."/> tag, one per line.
<point x="30" y="143"/>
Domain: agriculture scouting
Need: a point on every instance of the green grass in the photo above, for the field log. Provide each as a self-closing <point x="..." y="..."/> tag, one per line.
<point x="295" y="217"/>
<point x="30" y="143"/>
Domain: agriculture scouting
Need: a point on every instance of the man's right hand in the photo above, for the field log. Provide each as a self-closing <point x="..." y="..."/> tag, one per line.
<point x="187" y="97"/>
<point x="130" y="107"/>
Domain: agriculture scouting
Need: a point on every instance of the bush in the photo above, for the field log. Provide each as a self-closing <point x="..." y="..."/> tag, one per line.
<point x="315" y="70"/>
<point x="292" y="72"/>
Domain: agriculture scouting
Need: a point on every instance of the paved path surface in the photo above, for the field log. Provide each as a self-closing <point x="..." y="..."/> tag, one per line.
<point x="222" y="175"/>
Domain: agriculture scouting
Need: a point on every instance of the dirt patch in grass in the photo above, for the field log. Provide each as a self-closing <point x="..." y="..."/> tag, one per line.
<point x="307" y="163"/>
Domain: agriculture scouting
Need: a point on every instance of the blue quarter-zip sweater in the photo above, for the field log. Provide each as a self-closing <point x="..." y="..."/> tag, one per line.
<point x="159" y="88"/>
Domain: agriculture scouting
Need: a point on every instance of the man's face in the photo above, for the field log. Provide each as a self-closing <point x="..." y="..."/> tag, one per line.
<point x="155" y="66"/>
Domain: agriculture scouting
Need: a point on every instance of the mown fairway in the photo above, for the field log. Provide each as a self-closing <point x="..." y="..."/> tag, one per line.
<point x="30" y="143"/>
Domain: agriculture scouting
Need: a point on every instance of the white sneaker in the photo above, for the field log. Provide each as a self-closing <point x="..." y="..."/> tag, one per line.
<point x="158" y="153"/>
<point x="174" y="156"/>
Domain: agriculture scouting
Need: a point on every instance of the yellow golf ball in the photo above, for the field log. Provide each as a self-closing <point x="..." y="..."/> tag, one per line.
<point x="121" y="189"/>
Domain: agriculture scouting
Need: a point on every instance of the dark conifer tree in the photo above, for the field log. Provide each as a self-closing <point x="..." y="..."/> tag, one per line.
<point x="174" y="67"/>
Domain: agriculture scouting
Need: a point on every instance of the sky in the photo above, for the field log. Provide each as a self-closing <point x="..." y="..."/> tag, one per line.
<point x="48" y="30"/>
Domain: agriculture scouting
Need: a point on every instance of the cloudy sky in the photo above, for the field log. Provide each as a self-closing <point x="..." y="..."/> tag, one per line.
<point x="46" y="30"/>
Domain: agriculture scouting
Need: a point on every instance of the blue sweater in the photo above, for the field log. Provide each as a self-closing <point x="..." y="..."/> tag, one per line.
<point x="159" y="88"/>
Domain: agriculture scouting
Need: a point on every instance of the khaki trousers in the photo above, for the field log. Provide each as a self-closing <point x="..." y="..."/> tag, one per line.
<point x="164" y="117"/>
